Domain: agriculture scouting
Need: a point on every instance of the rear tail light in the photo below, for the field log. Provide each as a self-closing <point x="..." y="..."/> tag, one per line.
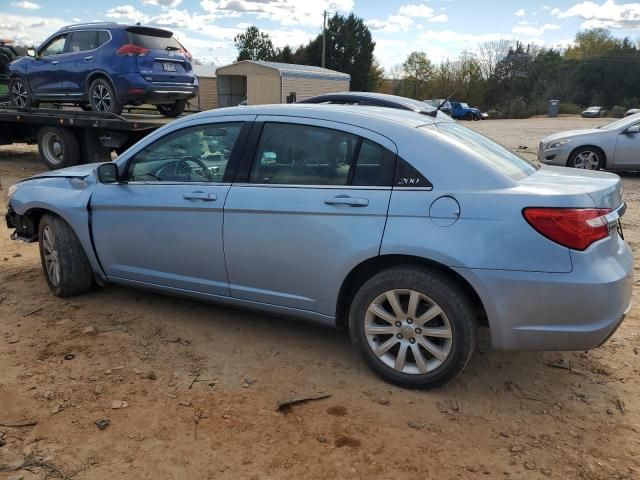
<point x="131" y="50"/>
<point x="186" y="53"/>
<point x="575" y="228"/>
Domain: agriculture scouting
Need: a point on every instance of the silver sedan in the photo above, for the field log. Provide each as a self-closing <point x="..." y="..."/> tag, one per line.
<point x="615" y="146"/>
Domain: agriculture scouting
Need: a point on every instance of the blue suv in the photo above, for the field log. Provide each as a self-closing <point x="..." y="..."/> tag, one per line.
<point x="104" y="66"/>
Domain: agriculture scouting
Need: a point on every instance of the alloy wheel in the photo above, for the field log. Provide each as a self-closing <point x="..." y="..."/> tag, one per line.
<point x="587" y="160"/>
<point x="50" y="253"/>
<point x="101" y="98"/>
<point x="408" y="331"/>
<point x="19" y="94"/>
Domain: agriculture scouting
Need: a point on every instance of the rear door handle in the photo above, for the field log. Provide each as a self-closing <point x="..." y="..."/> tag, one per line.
<point x="207" y="197"/>
<point x="346" y="200"/>
<point x="88" y="58"/>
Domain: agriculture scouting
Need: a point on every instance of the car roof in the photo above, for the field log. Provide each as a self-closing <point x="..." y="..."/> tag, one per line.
<point x="409" y="103"/>
<point x="109" y="25"/>
<point x="358" y="115"/>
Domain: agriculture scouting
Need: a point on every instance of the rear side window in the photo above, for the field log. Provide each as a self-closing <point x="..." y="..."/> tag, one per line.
<point x="308" y="155"/>
<point x="487" y="151"/>
<point x="153" y="39"/>
<point x="103" y="37"/>
<point x="82" y="41"/>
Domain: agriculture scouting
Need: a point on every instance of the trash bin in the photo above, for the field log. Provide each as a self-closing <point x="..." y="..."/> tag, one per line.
<point x="554" y="106"/>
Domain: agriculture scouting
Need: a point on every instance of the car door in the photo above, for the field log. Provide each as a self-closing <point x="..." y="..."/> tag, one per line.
<point x="161" y="224"/>
<point x="627" y="153"/>
<point x="78" y="61"/>
<point x="45" y="76"/>
<point x="310" y="202"/>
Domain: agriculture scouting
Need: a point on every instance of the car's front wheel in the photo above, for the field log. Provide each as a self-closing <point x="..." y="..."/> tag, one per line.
<point x="587" y="158"/>
<point x="64" y="263"/>
<point x="172" y="109"/>
<point x="415" y="328"/>
<point x="20" y="94"/>
<point x="103" y="98"/>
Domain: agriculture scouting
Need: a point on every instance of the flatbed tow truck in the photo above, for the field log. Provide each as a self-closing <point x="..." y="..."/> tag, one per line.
<point x="67" y="137"/>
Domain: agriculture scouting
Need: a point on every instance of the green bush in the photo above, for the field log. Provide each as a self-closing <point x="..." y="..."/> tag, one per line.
<point x="617" y="111"/>
<point x="567" y="108"/>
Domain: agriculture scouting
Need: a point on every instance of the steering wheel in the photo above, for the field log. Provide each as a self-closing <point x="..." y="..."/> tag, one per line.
<point x="182" y="167"/>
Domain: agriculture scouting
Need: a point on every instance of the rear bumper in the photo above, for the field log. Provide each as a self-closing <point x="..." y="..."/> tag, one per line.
<point x="133" y="88"/>
<point x="579" y="310"/>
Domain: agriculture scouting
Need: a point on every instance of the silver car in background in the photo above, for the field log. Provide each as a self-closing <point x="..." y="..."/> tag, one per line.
<point x="615" y="146"/>
<point x="408" y="230"/>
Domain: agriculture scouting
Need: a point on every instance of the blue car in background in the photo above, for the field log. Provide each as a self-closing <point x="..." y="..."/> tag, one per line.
<point x="462" y="111"/>
<point x="105" y="66"/>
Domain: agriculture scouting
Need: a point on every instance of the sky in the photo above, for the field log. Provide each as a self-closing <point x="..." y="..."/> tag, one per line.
<point x="440" y="28"/>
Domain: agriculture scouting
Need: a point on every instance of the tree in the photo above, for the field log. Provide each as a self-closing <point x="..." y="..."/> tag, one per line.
<point x="590" y="43"/>
<point x="254" y="45"/>
<point x="376" y="75"/>
<point x="418" y="70"/>
<point x="397" y="76"/>
<point x="284" y="55"/>
<point x="490" y="53"/>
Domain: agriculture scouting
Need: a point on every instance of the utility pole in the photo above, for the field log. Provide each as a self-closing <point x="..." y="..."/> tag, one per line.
<point x="324" y="36"/>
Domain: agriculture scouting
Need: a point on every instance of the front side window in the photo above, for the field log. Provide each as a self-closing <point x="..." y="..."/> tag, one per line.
<point x="303" y="155"/>
<point x="82" y="41"/>
<point x="194" y="154"/>
<point x="54" y="47"/>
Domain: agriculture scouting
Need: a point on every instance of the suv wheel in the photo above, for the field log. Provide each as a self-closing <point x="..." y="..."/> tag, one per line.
<point x="587" y="158"/>
<point x="20" y="94"/>
<point x="172" y="109"/>
<point x="103" y="98"/>
<point x="414" y="328"/>
<point x="64" y="262"/>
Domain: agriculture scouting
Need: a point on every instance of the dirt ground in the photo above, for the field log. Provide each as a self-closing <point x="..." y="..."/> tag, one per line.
<point x="197" y="386"/>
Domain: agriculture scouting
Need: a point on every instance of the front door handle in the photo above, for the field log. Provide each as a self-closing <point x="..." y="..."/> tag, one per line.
<point x="90" y="57"/>
<point x="346" y="200"/>
<point x="198" y="195"/>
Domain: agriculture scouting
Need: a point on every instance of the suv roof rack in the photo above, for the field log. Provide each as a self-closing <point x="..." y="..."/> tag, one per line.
<point x="91" y="24"/>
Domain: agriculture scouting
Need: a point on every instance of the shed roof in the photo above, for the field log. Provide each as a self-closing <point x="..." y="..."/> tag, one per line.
<point x="294" y="70"/>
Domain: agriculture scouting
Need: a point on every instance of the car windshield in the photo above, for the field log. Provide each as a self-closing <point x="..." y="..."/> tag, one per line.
<point x="622" y="123"/>
<point x="487" y="151"/>
<point x="593" y="109"/>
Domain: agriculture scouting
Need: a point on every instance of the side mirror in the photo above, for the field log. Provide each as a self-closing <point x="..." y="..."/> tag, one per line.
<point x="632" y="130"/>
<point x="108" y="173"/>
<point x="31" y="52"/>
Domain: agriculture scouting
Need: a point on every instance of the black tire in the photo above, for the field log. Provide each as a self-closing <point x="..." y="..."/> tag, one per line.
<point x="468" y="116"/>
<point x="58" y="147"/>
<point x="172" y="109"/>
<point x="476" y="117"/>
<point x="578" y="158"/>
<point x="74" y="274"/>
<point x="456" y="310"/>
<point x="102" y="97"/>
<point x="20" y="94"/>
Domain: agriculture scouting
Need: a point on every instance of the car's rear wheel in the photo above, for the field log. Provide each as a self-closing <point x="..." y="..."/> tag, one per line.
<point x="20" y="94"/>
<point x="172" y="109"/>
<point x="415" y="328"/>
<point x="64" y="262"/>
<point x="103" y="97"/>
<point x="468" y="116"/>
<point x="586" y="158"/>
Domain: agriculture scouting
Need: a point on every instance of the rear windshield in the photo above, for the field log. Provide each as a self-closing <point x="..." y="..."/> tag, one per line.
<point x="488" y="151"/>
<point x="154" y="39"/>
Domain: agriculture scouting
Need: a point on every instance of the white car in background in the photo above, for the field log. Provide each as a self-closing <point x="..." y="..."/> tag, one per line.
<point x="615" y="146"/>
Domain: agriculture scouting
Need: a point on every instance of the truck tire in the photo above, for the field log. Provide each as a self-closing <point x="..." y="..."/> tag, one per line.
<point x="172" y="109"/>
<point x="102" y="97"/>
<point x="64" y="262"/>
<point x="58" y="147"/>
